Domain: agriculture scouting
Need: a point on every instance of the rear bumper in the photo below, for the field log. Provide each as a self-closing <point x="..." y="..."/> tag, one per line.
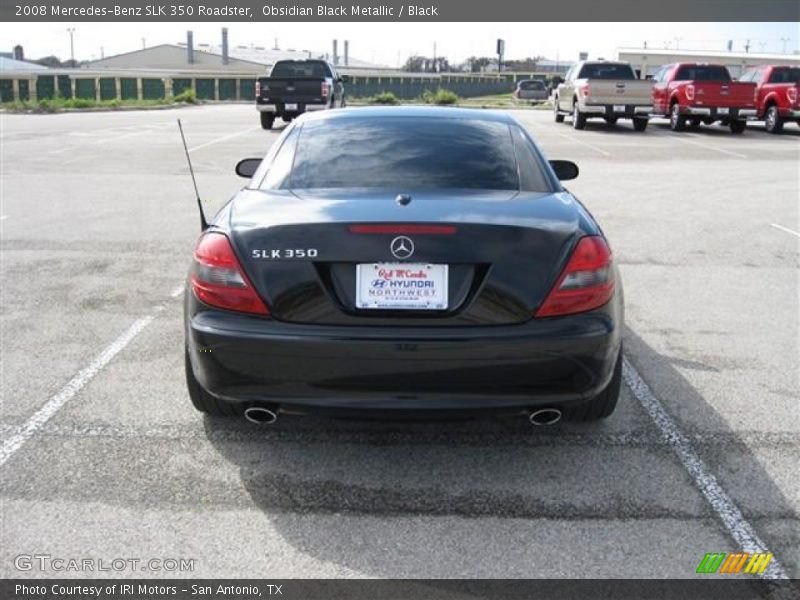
<point x="618" y="110"/>
<point x="280" y="109"/>
<point x="505" y="368"/>
<point x="719" y="112"/>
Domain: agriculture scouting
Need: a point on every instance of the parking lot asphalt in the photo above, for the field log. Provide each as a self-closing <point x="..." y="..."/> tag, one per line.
<point x="104" y="457"/>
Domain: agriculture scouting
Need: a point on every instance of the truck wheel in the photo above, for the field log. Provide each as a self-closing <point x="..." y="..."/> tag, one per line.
<point x="772" y="121"/>
<point x="677" y="122"/>
<point x="201" y="399"/>
<point x="267" y="119"/>
<point x="737" y="126"/>
<point x="578" y="118"/>
<point x="640" y="124"/>
<point x="559" y="118"/>
<point x="602" y="405"/>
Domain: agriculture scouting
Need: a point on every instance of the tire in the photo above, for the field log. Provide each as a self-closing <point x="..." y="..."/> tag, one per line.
<point x="559" y="118"/>
<point x="578" y="118"/>
<point x="640" y="124"/>
<point x="602" y="405"/>
<point x="343" y="104"/>
<point x="773" y="122"/>
<point x="611" y="120"/>
<point x="677" y="122"/>
<point x="201" y="399"/>
<point x="737" y="126"/>
<point x="267" y="120"/>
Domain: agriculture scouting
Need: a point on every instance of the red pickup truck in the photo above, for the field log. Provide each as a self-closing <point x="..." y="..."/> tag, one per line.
<point x="777" y="100"/>
<point x="697" y="93"/>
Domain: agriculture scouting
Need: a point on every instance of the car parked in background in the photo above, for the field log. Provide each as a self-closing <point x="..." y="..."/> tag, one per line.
<point x="531" y="90"/>
<point x="296" y="86"/>
<point x="695" y="93"/>
<point x="777" y="98"/>
<point x="604" y="89"/>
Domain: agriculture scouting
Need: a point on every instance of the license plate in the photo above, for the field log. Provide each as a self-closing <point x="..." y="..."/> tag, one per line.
<point x="619" y="108"/>
<point x="722" y="111"/>
<point x="290" y="106"/>
<point x="401" y="286"/>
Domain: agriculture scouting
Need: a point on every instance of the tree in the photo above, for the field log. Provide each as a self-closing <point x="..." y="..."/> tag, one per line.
<point x="477" y="64"/>
<point x="424" y="64"/>
<point x="49" y="61"/>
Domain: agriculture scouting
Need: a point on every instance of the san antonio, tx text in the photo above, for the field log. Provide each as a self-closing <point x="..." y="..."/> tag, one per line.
<point x="98" y="591"/>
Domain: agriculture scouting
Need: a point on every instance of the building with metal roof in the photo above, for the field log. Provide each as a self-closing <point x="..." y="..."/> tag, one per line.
<point x="648" y="61"/>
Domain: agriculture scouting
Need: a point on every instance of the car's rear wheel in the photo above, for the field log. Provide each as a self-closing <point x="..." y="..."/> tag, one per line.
<point x="737" y="126"/>
<point x="559" y="118"/>
<point x="602" y="405"/>
<point x="640" y="124"/>
<point x="677" y="122"/>
<point x="578" y="118"/>
<point x="772" y="120"/>
<point x="267" y="120"/>
<point x="201" y="399"/>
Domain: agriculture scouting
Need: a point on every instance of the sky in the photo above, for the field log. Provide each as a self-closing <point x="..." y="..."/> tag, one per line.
<point x="392" y="43"/>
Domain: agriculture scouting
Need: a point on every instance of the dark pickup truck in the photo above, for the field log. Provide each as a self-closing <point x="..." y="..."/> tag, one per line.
<point x="295" y="86"/>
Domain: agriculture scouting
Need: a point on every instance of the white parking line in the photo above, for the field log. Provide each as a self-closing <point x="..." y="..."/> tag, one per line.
<point x="223" y="138"/>
<point x="75" y="385"/>
<point x="726" y="509"/>
<point x="775" y="225"/>
<point x="682" y="137"/>
<point x="582" y="143"/>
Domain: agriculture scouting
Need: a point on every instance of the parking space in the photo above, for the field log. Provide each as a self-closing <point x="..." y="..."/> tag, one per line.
<point x="103" y="455"/>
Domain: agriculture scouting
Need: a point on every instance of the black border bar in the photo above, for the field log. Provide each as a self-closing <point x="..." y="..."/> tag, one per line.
<point x="399" y="10"/>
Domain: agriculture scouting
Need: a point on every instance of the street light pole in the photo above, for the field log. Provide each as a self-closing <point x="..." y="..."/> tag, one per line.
<point x="784" y="40"/>
<point x="71" y="31"/>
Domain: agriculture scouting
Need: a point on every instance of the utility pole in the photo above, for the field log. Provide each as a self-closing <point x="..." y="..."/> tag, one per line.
<point x="784" y="40"/>
<point x="678" y="43"/>
<point x="71" y="31"/>
<point x="143" y="44"/>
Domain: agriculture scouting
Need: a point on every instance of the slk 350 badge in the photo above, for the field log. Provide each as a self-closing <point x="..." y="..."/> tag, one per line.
<point x="286" y="253"/>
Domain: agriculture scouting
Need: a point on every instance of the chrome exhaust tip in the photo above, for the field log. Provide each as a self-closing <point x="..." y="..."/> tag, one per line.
<point x="261" y="415"/>
<point x="545" y="416"/>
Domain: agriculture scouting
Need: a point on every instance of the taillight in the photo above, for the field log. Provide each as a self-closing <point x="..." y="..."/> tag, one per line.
<point x="258" y="89"/>
<point x="690" y="92"/>
<point x="325" y="89"/>
<point x="791" y="94"/>
<point x="585" y="89"/>
<point x="586" y="283"/>
<point x="218" y="278"/>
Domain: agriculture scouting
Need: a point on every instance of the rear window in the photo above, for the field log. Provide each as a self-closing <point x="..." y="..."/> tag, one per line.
<point x="604" y="71"/>
<point x="785" y="75"/>
<point x="299" y="69"/>
<point x="404" y="153"/>
<point x="703" y="73"/>
<point x="531" y="85"/>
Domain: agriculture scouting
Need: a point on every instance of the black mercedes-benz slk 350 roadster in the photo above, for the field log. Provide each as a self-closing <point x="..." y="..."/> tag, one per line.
<point x="399" y="260"/>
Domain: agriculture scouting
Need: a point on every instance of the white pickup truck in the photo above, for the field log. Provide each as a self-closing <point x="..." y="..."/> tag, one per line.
<point x="603" y="89"/>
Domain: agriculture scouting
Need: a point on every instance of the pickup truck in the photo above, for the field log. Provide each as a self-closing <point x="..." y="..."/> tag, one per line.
<point x="530" y="90"/>
<point x="697" y="93"/>
<point x="776" y="94"/>
<point x="295" y="86"/>
<point x="604" y="89"/>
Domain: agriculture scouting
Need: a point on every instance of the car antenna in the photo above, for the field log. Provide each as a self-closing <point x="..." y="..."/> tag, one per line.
<point x="203" y="222"/>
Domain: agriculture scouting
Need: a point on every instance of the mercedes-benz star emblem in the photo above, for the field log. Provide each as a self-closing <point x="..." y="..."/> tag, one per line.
<point x="402" y="247"/>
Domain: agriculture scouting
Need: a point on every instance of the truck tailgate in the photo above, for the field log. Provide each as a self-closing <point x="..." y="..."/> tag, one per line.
<point x="299" y="90"/>
<point x="729" y="94"/>
<point x="604" y="91"/>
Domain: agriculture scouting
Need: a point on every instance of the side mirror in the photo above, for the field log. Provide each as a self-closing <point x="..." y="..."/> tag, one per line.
<point x="565" y="169"/>
<point x="247" y="167"/>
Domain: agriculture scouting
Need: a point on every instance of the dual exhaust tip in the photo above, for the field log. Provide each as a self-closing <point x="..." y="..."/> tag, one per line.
<point x="262" y="415"/>
<point x="544" y="416"/>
